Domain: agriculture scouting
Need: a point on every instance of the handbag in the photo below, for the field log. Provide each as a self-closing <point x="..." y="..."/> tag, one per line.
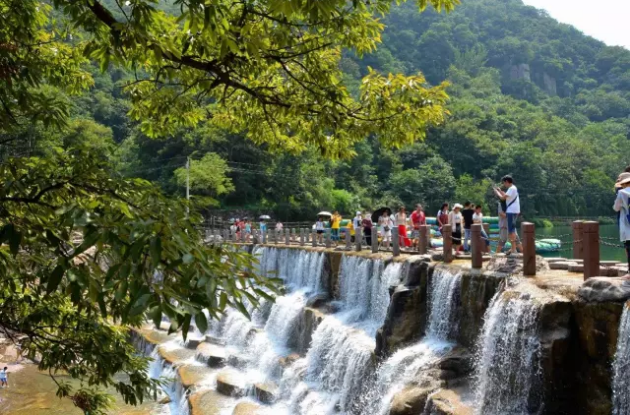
<point x="386" y="228"/>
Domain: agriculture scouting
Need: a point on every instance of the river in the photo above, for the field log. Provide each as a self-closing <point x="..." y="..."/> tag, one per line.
<point x="609" y="234"/>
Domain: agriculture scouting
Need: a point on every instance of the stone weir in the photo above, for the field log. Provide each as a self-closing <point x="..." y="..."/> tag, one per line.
<point x="361" y="333"/>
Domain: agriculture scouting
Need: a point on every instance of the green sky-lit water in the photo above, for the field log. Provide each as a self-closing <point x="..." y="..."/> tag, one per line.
<point x="608" y="233"/>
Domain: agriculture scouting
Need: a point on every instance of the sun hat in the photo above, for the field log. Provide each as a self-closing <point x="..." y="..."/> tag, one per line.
<point x="358" y="212"/>
<point x="457" y="206"/>
<point x="623" y="179"/>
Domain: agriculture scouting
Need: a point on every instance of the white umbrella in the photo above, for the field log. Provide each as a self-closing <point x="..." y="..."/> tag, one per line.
<point x="324" y="213"/>
<point x="264" y="217"/>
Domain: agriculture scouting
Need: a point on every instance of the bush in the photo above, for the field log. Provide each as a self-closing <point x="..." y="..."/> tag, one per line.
<point x="542" y="223"/>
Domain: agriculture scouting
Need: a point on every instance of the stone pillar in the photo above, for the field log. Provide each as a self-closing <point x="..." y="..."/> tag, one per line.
<point x="528" y="230"/>
<point x="423" y="242"/>
<point x="395" y="241"/>
<point x="287" y="236"/>
<point x="308" y="236"/>
<point x="358" y="238"/>
<point x="486" y="227"/>
<point x="374" y="240"/>
<point x="302" y="236"/>
<point x="447" y="246"/>
<point x="255" y="240"/>
<point x="590" y="232"/>
<point x="327" y="237"/>
<point x="578" y="239"/>
<point x="226" y="235"/>
<point x="314" y="241"/>
<point x="348" y="240"/>
<point x="477" y="246"/>
<point x="234" y="237"/>
<point x="277" y="236"/>
<point x="294" y="235"/>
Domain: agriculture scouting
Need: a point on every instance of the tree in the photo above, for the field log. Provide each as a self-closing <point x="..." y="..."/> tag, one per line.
<point x="208" y="176"/>
<point x="83" y="256"/>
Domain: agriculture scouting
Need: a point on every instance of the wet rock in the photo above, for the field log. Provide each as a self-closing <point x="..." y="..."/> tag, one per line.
<point x="237" y="361"/>
<point x="287" y="361"/>
<point x="410" y="401"/>
<point x="459" y="361"/>
<point x="576" y="268"/>
<point x="165" y="400"/>
<point x="601" y="289"/>
<point x="229" y="383"/>
<point x="193" y="342"/>
<point x="446" y="402"/>
<point x="476" y="292"/>
<point x="266" y="392"/>
<point x="563" y="265"/>
<point x="190" y="375"/>
<point x="211" y="354"/>
<point x="332" y="264"/>
<point x="214" y="340"/>
<point x="246" y="408"/>
<point x="414" y="271"/>
<point x="175" y="355"/>
<point x="513" y="264"/>
<point x="406" y="319"/>
<point x="317" y="301"/>
<point x="306" y="325"/>
<point x="598" y="324"/>
<point x="207" y="402"/>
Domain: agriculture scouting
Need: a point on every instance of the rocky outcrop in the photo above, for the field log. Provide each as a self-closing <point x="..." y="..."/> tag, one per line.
<point x="477" y="290"/>
<point x="410" y="401"/>
<point x="266" y="392"/>
<point x="520" y="71"/>
<point x="406" y="318"/>
<point x="332" y="265"/>
<point x="306" y="325"/>
<point x="550" y="84"/>
<point x="190" y="375"/>
<point x="230" y="384"/>
<point x="597" y="328"/>
<point x="206" y="402"/>
<point x="602" y="289"/>
<point x="414" y="271"/>
<point x="211" y="354"/>
<point x="247" y="408"/>
<point x="174" y="355"/>
<point x="446" y="402"/>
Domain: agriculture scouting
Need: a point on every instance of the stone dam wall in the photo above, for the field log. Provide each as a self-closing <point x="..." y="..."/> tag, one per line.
<point x="477" y="327"/>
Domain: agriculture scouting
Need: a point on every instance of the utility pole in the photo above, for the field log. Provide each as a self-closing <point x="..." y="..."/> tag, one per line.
<point x="187" y="186"/>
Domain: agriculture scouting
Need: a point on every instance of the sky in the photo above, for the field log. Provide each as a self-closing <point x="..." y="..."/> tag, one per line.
<point x="606" y="20"/>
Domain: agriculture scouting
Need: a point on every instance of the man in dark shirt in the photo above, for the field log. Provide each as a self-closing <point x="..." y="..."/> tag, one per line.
<point x="467" y="214"/>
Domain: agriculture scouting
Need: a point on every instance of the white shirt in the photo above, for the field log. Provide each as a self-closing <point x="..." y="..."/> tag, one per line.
<point x="513" y="201"/>
<point x="478" y="218"/>
<point x="622" y="205"/>
<point x="401" y="219"/>
<point x="319" y="226"/>
<point x="279" y="226"/>
<point x="357" y="222"/>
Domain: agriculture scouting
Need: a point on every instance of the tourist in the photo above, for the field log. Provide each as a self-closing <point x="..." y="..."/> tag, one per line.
<point x="503" y="229"/>
<point x="386" y="225"/>
<point x="248" y="229"/>
<point x="622" y="176"/>
<point x="233" y="229"/>
<point x="279" y="226"/>
<point x="442" y="216"/>
<point x="367" y="228"/>
<point x="319" y="229"/>
<point x="401" y="223"/>
<point x="622" y="205"/>
<point x="478" y="219"/>
<point x="418" y="218"/>
<point x="467" y="214"/>
<point x="3" y="377"/>
<point x="457" y="222"/>
<point x="263" y="227"/>
<point x="350" y="230"/>
<point x="512" y="207"/>
<point x="335" y="223"/>
<point x="357" y="223"/>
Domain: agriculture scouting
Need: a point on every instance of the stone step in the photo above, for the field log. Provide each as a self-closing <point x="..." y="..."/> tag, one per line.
<point x="214" y="340"/>
<point x="576" y="268"/>
<point x="211" y="354"/>
<point x="564" y="265"/>
<point x="608" y="263"/>
<point x="191" y="375"/>
<point x="193" y="342"/>
<point x="247" y="408"/>
<point x="175" y="355"/>
<point x="230" y="382"/>
<point x="266" y="392"/>
<point x="207" y="402"/>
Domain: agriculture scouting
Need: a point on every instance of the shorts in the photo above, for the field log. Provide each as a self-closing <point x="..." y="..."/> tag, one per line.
<point x="457" y="238"/>
<point x="511" y="220"/>
<point x="320" y="232"/>
<point x="415" y="234"/>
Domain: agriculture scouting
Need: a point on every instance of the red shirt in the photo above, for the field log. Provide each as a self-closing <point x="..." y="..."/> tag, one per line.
<point x="418" y="219"/>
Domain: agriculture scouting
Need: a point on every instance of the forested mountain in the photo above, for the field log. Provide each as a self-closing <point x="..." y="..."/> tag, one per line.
<point x="529" y="96"/>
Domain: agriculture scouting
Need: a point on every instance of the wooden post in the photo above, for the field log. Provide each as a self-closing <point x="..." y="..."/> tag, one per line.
<point x="327" y="237"/>
<point x="590" y="232"/>
<point x="302" y="232"/>
<point x="486" y="227"/>
<point x="358" y="238"/>
<point x="477" y="246"/>
<point x="226" y="235"/>
<point x="374" y="240"/>
<point x="308" y="236"/>
<point x="423" y="242"/>
<point x="243" y="236"/>
<point x="528" y="230"/>
<point x="314" y="241"/>
<point x="447" y="246"/>
<point x="255" y="240"/>
<point x="234" y="237"/>
<point x="395" y="242"/>
<point x="287" y="236"/>
<point x="578" y="239"/>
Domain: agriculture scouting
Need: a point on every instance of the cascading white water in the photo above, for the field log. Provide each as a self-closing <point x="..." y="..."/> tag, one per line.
<point x="509" y="355"/>
<point x="442" y="291"/>
<point x="621" y="367"/>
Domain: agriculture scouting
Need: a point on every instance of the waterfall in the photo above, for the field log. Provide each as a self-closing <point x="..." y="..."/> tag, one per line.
<point x="443" y="289"/>
<point x="621" y="367"/>
<point x="509" y="355"/>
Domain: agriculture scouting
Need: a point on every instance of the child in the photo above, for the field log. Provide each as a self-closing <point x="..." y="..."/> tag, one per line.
<point x="319" y="228"/>
<point x="3" y="377"/>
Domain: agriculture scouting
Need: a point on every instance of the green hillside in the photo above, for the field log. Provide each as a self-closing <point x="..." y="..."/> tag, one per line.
<point x="529" y="96"/>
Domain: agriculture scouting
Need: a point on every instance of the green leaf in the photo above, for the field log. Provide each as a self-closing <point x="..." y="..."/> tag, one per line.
<point x="223" y="301"/>
<point x="156" y="250"/>
<point x="186" y="325"/>
<point x="54" y="279"/>
<point x="201" y="322"/>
